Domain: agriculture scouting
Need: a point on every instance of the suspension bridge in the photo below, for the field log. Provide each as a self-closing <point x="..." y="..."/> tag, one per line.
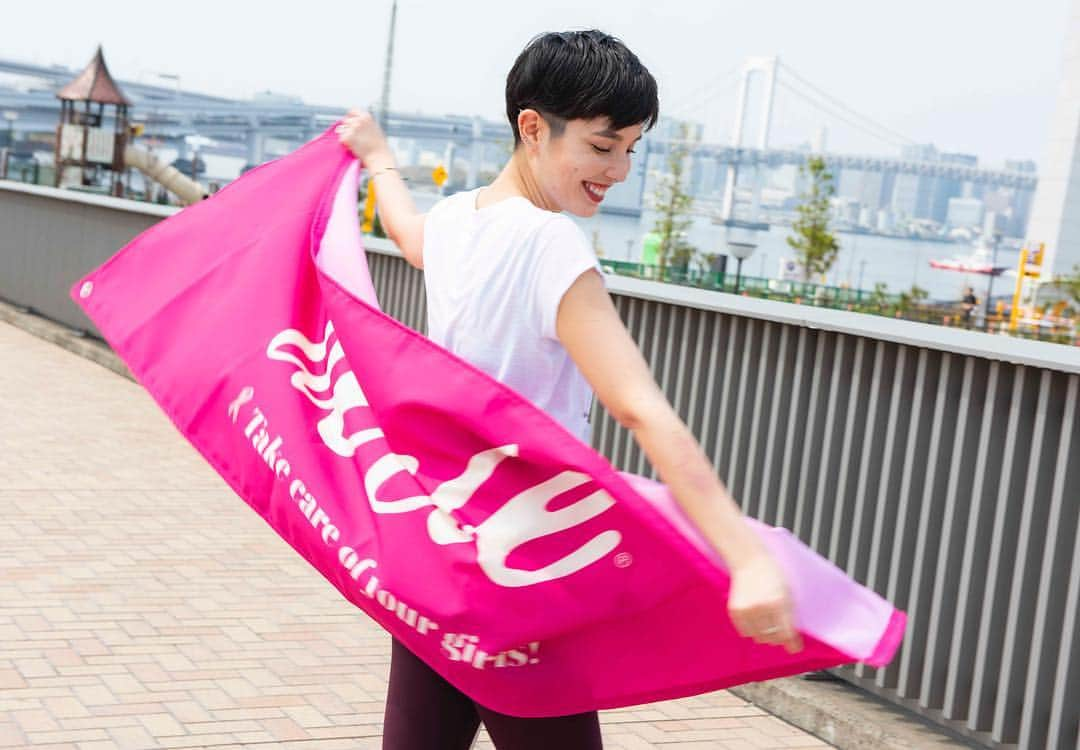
<point x="242" y="128"/>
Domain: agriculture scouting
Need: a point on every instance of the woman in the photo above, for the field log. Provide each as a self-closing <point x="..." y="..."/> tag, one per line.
<point x="513" y="287"/>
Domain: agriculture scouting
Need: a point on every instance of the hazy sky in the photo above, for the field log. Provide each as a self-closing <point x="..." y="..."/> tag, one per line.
<point x="968" y="75"/>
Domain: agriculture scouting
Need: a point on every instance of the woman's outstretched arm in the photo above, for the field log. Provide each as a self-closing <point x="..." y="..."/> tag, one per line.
<point x="403" y="223"/>
<point x="596" y="339"/>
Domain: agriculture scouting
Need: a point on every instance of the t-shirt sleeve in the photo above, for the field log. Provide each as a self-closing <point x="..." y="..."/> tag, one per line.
<point x="562" y="255"/>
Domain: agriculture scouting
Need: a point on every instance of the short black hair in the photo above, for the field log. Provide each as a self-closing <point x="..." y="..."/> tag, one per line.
<point x="569" y="75"/>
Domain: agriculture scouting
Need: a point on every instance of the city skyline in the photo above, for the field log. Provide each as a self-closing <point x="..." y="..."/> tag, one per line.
<point x="998" y="107"/>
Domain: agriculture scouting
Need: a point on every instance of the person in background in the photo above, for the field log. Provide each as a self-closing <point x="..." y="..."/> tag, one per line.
<point x="968" y="303"/>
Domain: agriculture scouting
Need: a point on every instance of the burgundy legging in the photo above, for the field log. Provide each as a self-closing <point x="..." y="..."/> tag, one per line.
<point x="425" y="712"/>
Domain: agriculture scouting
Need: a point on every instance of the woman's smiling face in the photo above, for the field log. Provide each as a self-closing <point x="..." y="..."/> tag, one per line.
<point x="575" y="167"/>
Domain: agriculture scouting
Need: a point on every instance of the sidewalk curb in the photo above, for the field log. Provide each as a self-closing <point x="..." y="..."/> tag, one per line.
<point x="808" y="708"/>
<point x="837" y="712"/>
<point x="846" y="716"/>
<point x="76" y="342"/>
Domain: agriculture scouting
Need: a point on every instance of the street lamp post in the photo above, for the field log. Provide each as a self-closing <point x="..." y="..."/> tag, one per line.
<point x="990" y="283"/>
<point x="741" y="251"/>
<point x="5" y="153"/>
<point x="197" y="144"/>
<point x="11" y="116"/>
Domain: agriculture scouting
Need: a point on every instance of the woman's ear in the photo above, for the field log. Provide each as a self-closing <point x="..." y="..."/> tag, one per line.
<point x="531" y="126"/>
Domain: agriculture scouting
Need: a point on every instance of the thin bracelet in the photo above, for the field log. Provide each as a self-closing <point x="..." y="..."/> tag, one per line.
<point x="384" y="170"/>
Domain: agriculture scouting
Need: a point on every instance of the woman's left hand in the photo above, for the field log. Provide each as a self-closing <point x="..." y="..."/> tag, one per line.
<point x="362" y="135"/>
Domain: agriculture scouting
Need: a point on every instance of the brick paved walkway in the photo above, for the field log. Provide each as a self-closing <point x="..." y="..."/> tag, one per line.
<point x="143" y="605"/>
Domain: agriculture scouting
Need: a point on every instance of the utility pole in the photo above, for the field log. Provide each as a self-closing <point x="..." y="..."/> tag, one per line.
<point x="990" y="281"/>
<point x="384" y="102"/>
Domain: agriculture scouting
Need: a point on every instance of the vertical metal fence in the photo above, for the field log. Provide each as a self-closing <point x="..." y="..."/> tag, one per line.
<point x="939" y="467"/>
<point x="947" y="482"/>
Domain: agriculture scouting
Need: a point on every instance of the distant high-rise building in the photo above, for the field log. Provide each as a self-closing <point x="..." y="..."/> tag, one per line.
<point x="866" y="187"/>
<point x="1020" y="212"/>
<point x="867" y="216"/>
<point x="888" y="182"/>
<point x="634" y="193"/>
<point x="870" y="189"/>
<point x="845" y="210"/>
<point x="964" y="212"/>
<point x="997" y="200"/>
<point x="994" y="224"/>
<point x="1012" y="205"/>
<point x="966" y="160"/>
<point x="884" y="220"/>
<point x="706" y="176"/>
<point x="911" y="193"/>
<point x="905" y="203"/>
<point x="1024" y="166"/>
<point x="946" y="188"/>
<point x="919" y="152"/>
<point x="1055" y="215"/>
<point x="846" y="182"/>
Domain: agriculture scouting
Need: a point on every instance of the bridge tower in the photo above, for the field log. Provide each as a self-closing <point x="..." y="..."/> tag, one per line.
<point x="83" y="142"/>
<point x="764" y="67"/>
<point x="1055" y="215"/>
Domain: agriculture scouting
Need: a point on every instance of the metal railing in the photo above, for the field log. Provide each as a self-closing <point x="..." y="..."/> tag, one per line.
<point x="24" y="169"/>
<point x="939" y="467"/>
<point x="903" y="306"/>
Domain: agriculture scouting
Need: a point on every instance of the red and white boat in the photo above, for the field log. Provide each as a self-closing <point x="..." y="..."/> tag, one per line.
<point x="978" y="262"/>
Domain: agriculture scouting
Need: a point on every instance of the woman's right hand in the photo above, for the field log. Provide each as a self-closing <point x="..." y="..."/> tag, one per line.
<point x="759" y="604"/>
<point x="362" y="135"/>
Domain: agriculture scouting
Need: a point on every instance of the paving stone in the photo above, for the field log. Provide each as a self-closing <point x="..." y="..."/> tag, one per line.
<point x="143" y="605"/>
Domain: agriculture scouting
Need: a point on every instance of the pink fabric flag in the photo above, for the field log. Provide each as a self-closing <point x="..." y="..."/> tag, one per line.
<point x="504" y="552"/>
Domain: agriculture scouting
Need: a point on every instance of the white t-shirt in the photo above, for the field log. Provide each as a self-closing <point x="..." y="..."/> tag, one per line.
<point x="494" y="278"/>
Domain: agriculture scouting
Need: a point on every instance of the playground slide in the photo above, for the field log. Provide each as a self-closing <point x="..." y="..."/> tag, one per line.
<point x="186" y="189"/>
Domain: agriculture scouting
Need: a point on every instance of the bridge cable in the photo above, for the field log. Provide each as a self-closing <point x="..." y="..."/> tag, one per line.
<point x="900" y="137"/>
<point x="861" y="127"/>
<point x="693" y="97"/>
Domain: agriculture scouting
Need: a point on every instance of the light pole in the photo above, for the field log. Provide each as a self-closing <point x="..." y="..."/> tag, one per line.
<point x="990" y="283"/>
<point x="197" y="143"/>
<point x="11" y="116"/>
<point x="5" y="153"/>
<point x="384" y="100"/>
<point x="741" y="251"/>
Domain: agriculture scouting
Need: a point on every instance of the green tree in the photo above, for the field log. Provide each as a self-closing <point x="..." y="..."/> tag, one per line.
<point x="879" y="298"/>
<point x="1069" y="285"/>
<point x="908" y="301"/>
<point x="672" y="204"/>
<point x="815" y="246"/>
<point x="377" y="229"/>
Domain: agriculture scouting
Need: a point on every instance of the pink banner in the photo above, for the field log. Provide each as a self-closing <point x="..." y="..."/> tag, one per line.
<point x="504" y="552"/>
